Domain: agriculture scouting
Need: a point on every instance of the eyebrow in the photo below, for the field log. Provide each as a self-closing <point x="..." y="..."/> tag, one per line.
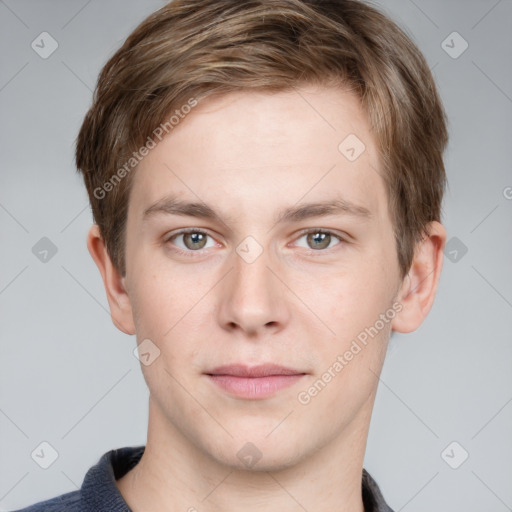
<point x="172" y="205"/>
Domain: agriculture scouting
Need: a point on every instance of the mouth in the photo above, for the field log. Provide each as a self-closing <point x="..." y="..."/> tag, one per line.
<point x="254" y="383"/>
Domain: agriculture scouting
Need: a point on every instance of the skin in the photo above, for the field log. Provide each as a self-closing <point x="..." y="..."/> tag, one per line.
<point x="300" y="304"/>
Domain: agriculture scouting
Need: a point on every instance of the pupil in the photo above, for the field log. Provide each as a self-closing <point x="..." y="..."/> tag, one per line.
<point x="320" y="237"/>
<point x="196" y="238"/>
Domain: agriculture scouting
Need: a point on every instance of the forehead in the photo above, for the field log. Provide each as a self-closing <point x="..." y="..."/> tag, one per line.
<point x="258" y="148"/>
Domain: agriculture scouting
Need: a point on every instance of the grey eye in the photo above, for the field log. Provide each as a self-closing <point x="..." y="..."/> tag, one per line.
<point x="318" y="240"/>
<point x="194" y="240"/>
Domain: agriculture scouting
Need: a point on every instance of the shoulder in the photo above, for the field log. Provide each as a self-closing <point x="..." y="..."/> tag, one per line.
<point x="69" y="502"/>
<point x="373" y="499"/>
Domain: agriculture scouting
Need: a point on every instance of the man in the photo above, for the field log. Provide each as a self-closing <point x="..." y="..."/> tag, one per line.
<point x="266" y="180"/>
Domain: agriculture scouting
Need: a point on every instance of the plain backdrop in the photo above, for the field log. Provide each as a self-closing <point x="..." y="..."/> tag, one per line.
<point x="69" y="378"/>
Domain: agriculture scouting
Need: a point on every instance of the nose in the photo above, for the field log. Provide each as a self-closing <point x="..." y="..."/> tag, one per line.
<point x="252" y="297"/>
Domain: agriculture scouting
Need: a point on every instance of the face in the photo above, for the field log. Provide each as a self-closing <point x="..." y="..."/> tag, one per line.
<point x="254" y="274"/>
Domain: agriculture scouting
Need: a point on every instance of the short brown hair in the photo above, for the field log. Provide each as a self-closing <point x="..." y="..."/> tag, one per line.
<point x="191" y="49"/>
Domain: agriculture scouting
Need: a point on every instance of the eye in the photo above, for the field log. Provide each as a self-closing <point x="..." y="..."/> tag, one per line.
<point x="319" y="239"/>
<point x="192" y="240"/>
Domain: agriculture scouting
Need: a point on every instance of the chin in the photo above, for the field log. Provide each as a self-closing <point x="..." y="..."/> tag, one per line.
<point x="257" y="453"/>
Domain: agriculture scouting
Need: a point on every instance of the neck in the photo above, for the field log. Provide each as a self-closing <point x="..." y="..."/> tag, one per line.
<point x="174" y="474"/>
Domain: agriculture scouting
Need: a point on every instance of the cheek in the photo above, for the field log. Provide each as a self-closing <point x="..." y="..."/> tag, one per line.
<point x="154" y="304"/>
<point x="354" y="303"/>
<point x="168" y="309"/>
<point x="356" y="297"/>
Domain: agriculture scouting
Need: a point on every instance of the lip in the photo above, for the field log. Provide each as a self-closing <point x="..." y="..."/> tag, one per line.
<point x="256" y="382"/>
<point x="261" y="370"/>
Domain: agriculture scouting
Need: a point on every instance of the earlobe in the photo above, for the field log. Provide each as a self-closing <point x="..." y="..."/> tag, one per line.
<point x="117" y="296"/>
<point x="419" y="287"/>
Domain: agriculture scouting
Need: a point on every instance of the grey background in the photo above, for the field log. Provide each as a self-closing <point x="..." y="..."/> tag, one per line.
<point x="69" y="377"/>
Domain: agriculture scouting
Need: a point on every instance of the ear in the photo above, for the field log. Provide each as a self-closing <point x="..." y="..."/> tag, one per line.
<point x="418" y="289"/>
<point x="118" y="299"/>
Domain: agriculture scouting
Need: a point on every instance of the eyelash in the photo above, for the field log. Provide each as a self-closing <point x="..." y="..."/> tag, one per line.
<point x="315" y="252"/>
